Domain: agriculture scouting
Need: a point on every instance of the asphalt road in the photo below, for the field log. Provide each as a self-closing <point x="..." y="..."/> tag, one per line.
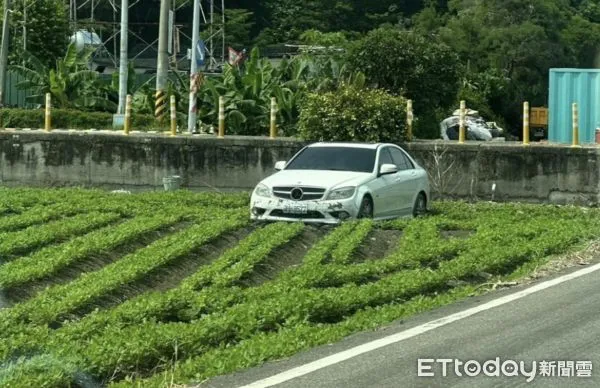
<point x="559" y="323"/>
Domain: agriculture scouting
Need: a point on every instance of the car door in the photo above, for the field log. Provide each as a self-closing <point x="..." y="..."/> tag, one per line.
<point x="407" y="182"/>
<point x="387" y="190"/>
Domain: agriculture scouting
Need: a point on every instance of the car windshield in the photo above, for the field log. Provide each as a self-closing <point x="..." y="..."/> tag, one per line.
<point x="334" y="159"/>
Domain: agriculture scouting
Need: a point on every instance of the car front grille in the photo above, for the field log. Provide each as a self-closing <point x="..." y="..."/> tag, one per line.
<point x="308" y="193"/>
<point x="312" y="214"/>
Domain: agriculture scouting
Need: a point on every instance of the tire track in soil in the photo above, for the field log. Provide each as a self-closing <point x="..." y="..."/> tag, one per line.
<point x="379" y="244"/>
<point x="284" y="257"/>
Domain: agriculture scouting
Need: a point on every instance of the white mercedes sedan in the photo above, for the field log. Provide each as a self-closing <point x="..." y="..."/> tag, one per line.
<point x="333" y="182"/>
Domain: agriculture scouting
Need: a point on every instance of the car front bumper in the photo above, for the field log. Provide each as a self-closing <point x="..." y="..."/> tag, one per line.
<point x="321" y="211"/>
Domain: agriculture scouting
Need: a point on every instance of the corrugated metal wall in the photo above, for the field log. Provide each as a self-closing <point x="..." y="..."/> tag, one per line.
<point x="568" y="86"/>
<point x="16" y="98"/>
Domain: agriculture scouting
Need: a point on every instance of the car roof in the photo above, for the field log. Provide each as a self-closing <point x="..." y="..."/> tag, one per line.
<point x="347" y="145"/>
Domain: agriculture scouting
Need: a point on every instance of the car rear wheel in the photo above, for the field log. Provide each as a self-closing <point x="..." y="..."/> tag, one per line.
<point x="366" y="208"/>
<point x="420" y="206"/>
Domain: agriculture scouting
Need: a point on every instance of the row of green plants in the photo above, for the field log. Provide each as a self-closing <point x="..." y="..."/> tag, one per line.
<point x="36" y="215"/>
<point x="161" y="306"/>
<point x="47" y="261"/>
<point x="55" y="303"/>
<point x="263" y="311"/>
<point x="23" y="241"/>
<point x="231" y="266"/>
<point x="212" y="314"/>
<point x="343" y="253"/>
<point x="18" y="200"/>
<point x="329" y="305"/>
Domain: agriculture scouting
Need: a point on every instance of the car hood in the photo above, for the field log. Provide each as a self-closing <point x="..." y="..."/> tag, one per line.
<point x="318" y="178"/>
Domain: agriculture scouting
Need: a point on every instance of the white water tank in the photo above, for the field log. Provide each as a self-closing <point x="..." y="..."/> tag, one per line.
<point x="84" y="38"/>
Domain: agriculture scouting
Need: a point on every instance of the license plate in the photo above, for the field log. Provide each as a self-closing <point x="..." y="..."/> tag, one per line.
<point x="295" y="209"/>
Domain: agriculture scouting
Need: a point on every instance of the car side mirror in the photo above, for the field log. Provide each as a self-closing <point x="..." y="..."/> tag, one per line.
<point x="280" y="165"/>
<point x="387" y="169"/>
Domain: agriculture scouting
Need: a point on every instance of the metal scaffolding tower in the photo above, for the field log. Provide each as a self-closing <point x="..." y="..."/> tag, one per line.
<point x="84" y="15"/>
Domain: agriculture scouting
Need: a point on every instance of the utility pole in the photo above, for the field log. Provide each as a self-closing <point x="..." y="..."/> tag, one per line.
<point x="4" y="49"/>
<point x="194" y="68"/>
<point x="123" y="67"/>
<point x="25" y="6"/>
<point x="162" y="71"/>
<point x="212" y="23"/>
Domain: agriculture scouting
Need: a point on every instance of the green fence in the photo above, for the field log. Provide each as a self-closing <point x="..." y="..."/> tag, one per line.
<point x="16" y="98"/>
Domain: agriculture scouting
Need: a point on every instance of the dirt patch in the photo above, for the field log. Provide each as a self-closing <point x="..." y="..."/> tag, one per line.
<point x="91" y="263"/>
<point x="378" y="245"/>
<point x="463" y="234"/>
<point x="286" y="256"/>
<point x="170" y="275"/>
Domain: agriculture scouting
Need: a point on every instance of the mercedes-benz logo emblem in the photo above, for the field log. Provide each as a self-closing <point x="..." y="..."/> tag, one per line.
<point x="296" y="193"/>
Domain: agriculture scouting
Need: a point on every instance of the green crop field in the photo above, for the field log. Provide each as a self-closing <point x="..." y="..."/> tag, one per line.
<point x="159" y="288"/>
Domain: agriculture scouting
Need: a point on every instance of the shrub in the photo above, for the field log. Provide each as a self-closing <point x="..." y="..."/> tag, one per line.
<point x="414" y="66"/>
<point x="353" y="114"/>
<point x="68" y="119"/>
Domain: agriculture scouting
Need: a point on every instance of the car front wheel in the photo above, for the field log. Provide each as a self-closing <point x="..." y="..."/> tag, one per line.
<point x="420" y="206"/>
<point x="366" y="208"/>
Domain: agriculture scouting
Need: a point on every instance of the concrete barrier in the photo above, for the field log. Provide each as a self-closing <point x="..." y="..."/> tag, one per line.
<point x="538" y="173"/>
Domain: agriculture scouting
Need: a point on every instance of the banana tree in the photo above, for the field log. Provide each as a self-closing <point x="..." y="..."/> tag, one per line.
<point x="71" y="83"/>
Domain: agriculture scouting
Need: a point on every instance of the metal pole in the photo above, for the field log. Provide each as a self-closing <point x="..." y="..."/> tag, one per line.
<point x="273" y="131"/>
<point x="123" y="67"/>
<point x="4" y="49"/>
<point x="24" y="28"/>
<point x="194" y="68"/>
<point x="221" y="133"/>
<point x="526" y="123"/>
<point x="223" y="31"/>
<point x="162" y="71"/>
<point x="127" y="126"/>
<point x="48" y="114"/>
<point x="173" y="116"/>
<point x="461" y="129"/>
<point x="212" y="23"/>
<point x="575" y="126"/>
<point x="409" y="119"/>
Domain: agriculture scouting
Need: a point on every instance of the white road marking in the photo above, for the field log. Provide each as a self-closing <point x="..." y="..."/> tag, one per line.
<point x="403" y="335"/>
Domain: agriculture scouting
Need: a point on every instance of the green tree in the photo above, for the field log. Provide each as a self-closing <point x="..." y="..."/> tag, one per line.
<point x="238" y="27"/>
<point x="411" y="65"/>
<point x="48" y="30"/>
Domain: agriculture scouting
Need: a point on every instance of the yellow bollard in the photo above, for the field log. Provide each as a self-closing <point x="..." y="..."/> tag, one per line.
<point x="273" y="132"/>
<point x="575" y="126"/>
<point x="221" y="117"/>
<point x="127" y="122"/>
<point x="173" y="117"/>
<point x="409" y="120"/>
<point x="526" y="123"/>
<point x="48" y="117"/>
<point x="461" y="128"/>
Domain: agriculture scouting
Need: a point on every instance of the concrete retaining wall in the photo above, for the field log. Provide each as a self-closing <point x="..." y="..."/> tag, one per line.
<point x="138" y="161"/>
<point x="539" y="173"/>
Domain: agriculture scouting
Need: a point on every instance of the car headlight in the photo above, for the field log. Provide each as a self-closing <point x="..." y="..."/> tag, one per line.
<point x="342" y="193"/>
<point x="262" y="191"/>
